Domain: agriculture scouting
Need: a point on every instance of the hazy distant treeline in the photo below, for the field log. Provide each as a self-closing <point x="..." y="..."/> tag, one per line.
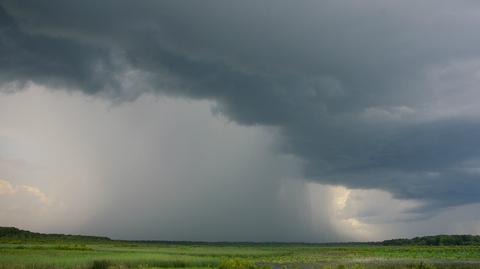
<point x="15" y="234"/>
<point x="436" y="240"/>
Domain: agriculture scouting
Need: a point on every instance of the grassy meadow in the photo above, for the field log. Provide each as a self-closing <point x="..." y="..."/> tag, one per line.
<point x="21" y="249"/>
<point x="117" y="254"/>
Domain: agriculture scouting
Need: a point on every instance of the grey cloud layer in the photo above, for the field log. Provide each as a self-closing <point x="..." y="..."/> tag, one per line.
<point x="371" y="95"/>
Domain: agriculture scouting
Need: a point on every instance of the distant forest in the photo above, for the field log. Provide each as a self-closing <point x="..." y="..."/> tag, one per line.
<point x="12" y="234"/>
<point x="436" y="240"/>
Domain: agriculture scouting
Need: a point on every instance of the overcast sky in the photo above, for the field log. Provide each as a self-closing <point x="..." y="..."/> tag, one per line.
<point x="244" y="121"/>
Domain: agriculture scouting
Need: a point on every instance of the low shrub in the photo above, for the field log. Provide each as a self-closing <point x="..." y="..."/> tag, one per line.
<point x="102" y="264"/>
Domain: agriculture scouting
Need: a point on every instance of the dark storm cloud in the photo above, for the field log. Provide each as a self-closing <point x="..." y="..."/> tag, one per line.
<point x="50" y="60"/>
<point x="357" y="88"/>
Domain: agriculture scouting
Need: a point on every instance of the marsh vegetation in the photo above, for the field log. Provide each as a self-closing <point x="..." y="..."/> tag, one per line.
<point x="36" y="251"/>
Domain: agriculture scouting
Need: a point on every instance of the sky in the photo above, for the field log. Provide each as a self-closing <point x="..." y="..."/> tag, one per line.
<point x="311" y="121"/>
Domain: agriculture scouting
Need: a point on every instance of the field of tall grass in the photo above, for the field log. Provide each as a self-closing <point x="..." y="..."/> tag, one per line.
<point x="233" y="256"/>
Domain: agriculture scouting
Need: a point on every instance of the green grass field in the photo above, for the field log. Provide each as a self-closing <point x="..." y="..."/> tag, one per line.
<point x="116" y="254"/>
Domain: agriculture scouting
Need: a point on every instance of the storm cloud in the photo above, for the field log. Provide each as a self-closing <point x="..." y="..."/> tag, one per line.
<point x="369" y="95"/>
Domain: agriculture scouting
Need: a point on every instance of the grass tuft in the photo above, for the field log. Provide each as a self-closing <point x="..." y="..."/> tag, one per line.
<point x="100" y="264"/>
